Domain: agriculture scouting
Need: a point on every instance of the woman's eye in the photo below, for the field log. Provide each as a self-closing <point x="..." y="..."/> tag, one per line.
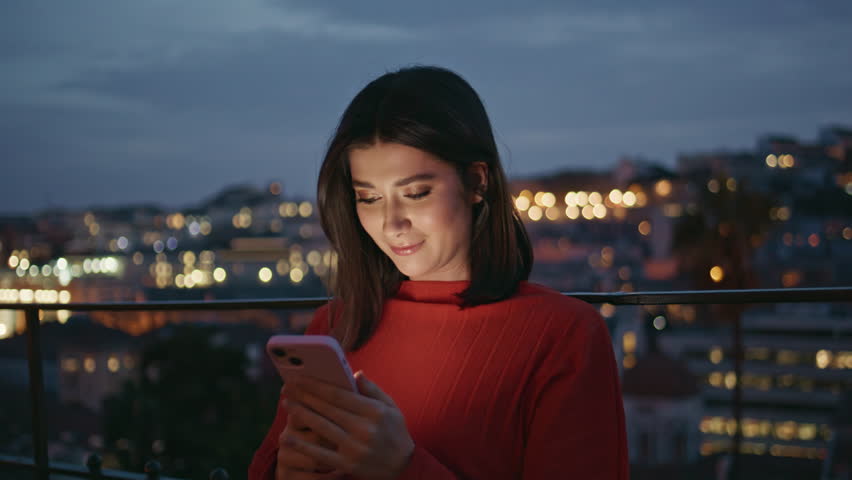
<point x="367" y="200"/>
<point x="417" y="195"/>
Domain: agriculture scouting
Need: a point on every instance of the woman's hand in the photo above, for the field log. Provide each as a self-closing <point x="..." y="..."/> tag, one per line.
<point x="292" y="465"/>
<point x="367" y="429"/>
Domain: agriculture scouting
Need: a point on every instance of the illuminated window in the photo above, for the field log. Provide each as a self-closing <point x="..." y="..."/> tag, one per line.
<point x="129" y="362"/>
<point x="786" y="381"/>
<point x="572" y="212"/>
<point x="731" y="427"/>
<point x="595" y="198"/>
<point x="713" y="186"/>
<point x="265" y="275"/>
<point x="715" y="379"/>
<point x="219" y="274"/>
<point x="757" y="354"/>
<point x="673" y="210"/>
<point x="771" y="160"/>
<point x="730" y="380"/>
<point x="663" y="188"/>
<point x="704" y="426"/>
<point x="70" y="364"/>
<point x="807" y="431"/>
<point x="571" y="199"/>
<point x="717" y="274"/>
<point x="113" y="364"/>
<point x="716" y="355"/>
<point x="552" y="213"/>
<point x="731" y="184"/>
<point x="535" y="213"/>
<point x="787" y="357"/>
<point x="751" y="428"/>
<point x="764" y="382"/>
<point x="628" y="342"/>
<point x="765" y="428"/>
<point x="785" y="430"/>
<point x="615" y="196"/>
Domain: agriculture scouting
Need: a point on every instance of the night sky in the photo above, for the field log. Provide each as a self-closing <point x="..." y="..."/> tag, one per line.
<point x="111" y="102"/>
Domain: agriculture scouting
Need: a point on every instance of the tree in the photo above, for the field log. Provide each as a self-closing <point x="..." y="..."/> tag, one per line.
<point x="193" y="408"/>
<point x="715" y="246"/>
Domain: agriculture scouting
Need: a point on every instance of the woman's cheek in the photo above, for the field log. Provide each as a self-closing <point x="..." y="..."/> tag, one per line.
<point x="368" y="222"/>
<point x="442" y="217"/>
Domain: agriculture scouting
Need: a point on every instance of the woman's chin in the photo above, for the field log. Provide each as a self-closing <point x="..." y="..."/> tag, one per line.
<point x="410" y="273"/>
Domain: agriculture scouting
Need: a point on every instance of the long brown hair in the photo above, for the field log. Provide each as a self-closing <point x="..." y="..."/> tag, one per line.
<point x="437" y="111"/>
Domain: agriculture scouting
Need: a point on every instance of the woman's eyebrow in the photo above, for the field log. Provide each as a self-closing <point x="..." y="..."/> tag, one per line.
<point x="399" y="183"/>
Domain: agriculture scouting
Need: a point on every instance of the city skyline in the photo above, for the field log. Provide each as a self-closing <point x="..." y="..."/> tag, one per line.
<point x="110" y="104"/>
<point x="773" y="216"/>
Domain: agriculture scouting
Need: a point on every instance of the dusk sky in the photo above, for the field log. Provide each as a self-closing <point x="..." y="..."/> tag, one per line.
<point x="113" y="102"/>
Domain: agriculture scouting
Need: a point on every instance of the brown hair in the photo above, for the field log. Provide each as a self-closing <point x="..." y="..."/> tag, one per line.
<point x="437" y="111"/>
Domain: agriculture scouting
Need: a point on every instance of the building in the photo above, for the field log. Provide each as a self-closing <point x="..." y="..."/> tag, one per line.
<point x="662" y="408"/>
<point x="797" y="362"/>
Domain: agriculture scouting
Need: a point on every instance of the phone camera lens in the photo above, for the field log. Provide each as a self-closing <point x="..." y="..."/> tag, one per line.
<point x="279" y="352"/>
<point x="296" y="361"/>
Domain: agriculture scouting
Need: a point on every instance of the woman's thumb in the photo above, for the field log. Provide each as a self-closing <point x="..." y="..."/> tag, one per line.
<point x="369" y="389"/>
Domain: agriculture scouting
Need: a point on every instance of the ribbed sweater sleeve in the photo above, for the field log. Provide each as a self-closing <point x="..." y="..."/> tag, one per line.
<point x="576" y="424"/>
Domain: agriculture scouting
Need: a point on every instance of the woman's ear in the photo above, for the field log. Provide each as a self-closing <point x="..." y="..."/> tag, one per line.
<point x="478" y="179"/>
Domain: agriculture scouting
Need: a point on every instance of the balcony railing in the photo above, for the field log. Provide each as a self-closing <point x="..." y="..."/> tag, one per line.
<point x="43" y="468"/>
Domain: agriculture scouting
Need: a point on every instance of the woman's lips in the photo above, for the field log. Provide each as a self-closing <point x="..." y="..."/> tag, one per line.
<point x="407" y="249"/>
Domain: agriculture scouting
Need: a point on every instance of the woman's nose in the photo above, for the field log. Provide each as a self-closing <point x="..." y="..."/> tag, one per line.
<point x="396" y="220"/>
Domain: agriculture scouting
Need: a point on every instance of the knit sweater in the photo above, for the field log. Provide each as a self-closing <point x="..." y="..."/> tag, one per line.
<point x="525" y="388"/>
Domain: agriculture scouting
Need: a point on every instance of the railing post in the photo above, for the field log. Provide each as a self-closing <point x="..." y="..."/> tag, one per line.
<point x="152" y="470"/>
<point x="34" y="362"/>
<point x="219" y="474"/>
<point x="737" y="351"/>
<point x="94" y="463"/>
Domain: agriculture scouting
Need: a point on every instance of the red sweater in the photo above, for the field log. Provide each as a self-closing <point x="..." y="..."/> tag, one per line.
<point x="525" y="388"/>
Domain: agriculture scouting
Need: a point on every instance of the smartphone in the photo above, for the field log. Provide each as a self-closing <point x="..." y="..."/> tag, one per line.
<point x="318" y="356"/>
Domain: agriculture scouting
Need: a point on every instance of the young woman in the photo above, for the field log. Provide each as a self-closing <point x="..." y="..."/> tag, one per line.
<point x="467" y="371"/>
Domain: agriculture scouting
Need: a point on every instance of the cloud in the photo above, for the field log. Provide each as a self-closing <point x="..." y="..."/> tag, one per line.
<point x="553" y="29"/>
<point x="50" y="46"/>
<point x="177" y="98"/>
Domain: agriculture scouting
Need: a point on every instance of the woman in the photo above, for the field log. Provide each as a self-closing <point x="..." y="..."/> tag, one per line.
<point x="473" y="372"/>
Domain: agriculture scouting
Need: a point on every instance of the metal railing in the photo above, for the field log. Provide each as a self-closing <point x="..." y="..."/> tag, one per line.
<point x="42" y="467"/>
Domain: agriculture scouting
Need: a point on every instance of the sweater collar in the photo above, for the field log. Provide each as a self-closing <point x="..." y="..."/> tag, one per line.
<point x="432" y="291"/>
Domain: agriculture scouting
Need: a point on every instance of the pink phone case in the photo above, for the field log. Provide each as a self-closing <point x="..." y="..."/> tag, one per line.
<point x="318" y="356"/>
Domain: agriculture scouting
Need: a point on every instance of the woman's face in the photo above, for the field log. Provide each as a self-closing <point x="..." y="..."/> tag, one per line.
<point x="415" y="208"/>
